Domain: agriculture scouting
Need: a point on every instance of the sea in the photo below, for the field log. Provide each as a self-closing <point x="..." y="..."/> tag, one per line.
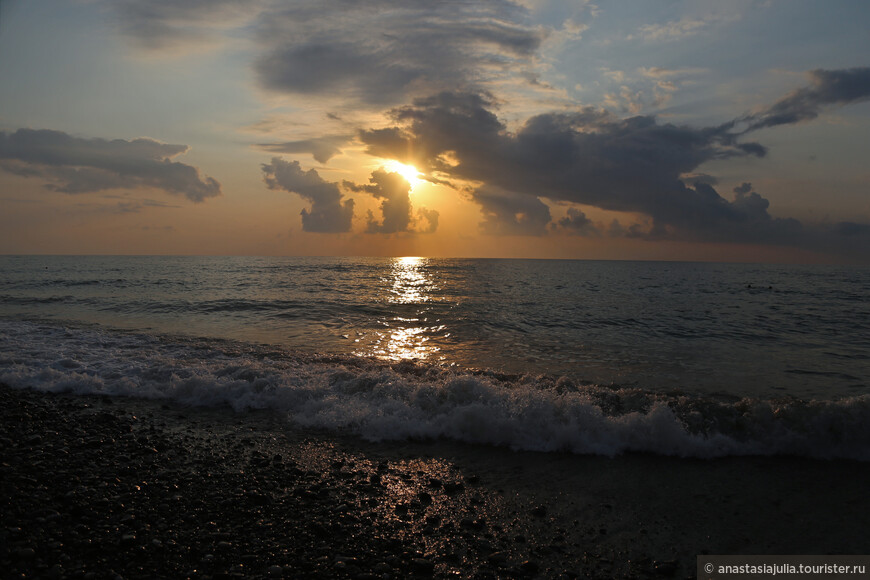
<point x="682" y="359"/>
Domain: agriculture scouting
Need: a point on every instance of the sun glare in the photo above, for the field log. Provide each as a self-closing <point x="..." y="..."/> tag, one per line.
<point x="409" y="172"/>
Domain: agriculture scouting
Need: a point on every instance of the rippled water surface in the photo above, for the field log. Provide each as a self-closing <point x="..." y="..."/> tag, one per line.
<point x="740" y="330"/>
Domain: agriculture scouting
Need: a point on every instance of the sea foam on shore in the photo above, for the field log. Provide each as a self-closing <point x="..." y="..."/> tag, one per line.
<point x="394" y="401"/>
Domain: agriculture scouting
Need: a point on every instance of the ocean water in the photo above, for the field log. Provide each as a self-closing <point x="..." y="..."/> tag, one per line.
<point x="688" y="359"/>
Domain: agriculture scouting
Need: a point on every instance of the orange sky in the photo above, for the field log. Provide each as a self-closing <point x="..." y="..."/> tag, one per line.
<point x="538" y="129"/>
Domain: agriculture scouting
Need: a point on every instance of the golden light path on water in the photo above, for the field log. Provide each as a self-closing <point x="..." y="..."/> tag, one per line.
<point x="408" y="337"/>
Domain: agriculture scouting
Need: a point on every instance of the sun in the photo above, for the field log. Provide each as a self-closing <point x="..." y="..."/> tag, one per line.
<point x="409" y="172"/>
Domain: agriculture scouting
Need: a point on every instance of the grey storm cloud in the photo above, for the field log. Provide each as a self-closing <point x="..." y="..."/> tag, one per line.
<point x="827" y="87"/>
<point x="591" y="157"/>
<point x="321" y="148"/>
<point x="77" y="165"/>
<point x="396" y="210"/>
<point x="328" y="213"/>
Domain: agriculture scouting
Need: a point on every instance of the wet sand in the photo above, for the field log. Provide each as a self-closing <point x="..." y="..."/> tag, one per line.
<point x="98" y="487"/>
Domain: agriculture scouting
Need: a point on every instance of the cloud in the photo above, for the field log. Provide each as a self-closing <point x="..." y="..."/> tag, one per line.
<point x="397" y="213"/>
<point x="76" y="165"/>
<point x="703" y="20"/>
<point x="328" y="213"/>
<point x="429" y="217"/>
<point x="651" y="87"/>
<point x="373" y="53"/>
<point x="852" y="229"/>
<point x="827" y="87"/>
<point x="321" y="148"/>
<point x="507" y="213"/>
<point x="693" y="178"/>
<point x="380" y="52"/>
<point x="657" y="72"/>
<point x="392" y="189"/>
<point x="576" y="222"/>
<point x="592" y="157"/>
<point x="135" y="205"/>
<point x="675" y="29"/>
<point x="587" y="157"/>
<point x="168" y="25"/>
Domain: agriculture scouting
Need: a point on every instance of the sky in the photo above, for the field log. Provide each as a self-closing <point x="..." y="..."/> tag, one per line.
<point x="588" y="129"/>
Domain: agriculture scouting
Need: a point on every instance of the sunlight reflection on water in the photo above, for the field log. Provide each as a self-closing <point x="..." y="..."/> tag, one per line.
<point x="408" y="338"/>
<point x="411" y="282"/>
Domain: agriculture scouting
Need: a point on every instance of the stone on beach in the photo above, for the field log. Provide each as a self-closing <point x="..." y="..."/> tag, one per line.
<point x="150" y="489"/>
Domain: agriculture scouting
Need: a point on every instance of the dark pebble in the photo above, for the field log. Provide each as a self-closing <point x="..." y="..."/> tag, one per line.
<point x="529" y="567"/>
<point x="499" y="559"/>
<point x="452" y="487"/>
<point x="666" y="568"/>
<point x="422" y="565"/>
<point x="104" y="492"/>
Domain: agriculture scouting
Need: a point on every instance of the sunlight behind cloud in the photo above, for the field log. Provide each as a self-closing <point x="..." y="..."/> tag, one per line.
<point x="409" y="172"/>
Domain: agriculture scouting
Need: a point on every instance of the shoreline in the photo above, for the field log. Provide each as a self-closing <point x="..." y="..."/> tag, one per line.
<point x="106" y="487"/>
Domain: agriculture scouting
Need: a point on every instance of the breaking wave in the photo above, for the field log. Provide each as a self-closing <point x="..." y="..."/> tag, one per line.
<point x="382" y="401"/>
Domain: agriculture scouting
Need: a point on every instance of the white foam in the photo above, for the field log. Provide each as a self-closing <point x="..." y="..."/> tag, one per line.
<point x="380" y="402"/>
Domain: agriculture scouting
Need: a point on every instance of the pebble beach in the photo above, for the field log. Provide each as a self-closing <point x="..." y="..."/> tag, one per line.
<point x="111" y="487"/>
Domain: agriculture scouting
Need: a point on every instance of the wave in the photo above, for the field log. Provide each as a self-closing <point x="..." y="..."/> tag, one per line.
<point x="381" y="401"/>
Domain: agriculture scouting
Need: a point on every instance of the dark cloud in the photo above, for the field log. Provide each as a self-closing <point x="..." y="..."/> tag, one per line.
<point x="335" y="68"/>
<point x="507" y="213"/>
<point x="693" y="178"/>
<point x="321" y="148"/>
<point x="591" y="157"/>
<point x="639" y="230"/>
<point x="827" y="87"/>
<point x="76" y="165"/>
<point x="396" y="211"/>
<point x="750" y="203"/>
<point x="393" y="191"/>
<point x="380" y="52"/>
<point x="852" y="229"/>
<point x="428" y="220"/>
<point x="328" y="213"/>
<point x="576" y="222"/>
<point x="587" y="157"/>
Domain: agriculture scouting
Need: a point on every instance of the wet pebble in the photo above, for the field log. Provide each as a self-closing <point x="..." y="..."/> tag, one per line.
<point x="498" y="559"/>
<point x="453" y="487"/>
<point x="666" y="568"/>
<point x="233" y="503"/>
<point x="529" y="567"/>
<point x="422" y="566"/>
